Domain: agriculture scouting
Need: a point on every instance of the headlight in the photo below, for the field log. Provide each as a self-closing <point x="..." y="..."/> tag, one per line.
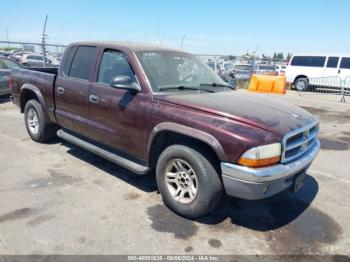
<point x="261" y="156"/>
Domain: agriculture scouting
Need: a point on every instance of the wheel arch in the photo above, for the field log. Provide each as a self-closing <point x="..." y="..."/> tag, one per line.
<point x="167" y="134"/>
<point x="298" y="77"/>
<point x="29" y="92"/>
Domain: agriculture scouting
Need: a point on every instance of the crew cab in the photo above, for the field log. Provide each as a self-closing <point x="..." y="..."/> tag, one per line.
<point x="149" y="108"/>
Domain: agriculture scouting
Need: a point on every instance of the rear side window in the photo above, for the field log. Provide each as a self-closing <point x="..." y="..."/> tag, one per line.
<point x="332" y="62"/>
<point x="68" y="59"/>
<point x="313" y="61"/>
<point x="345" y="63"/>
<point x="82" y="62"/>
<point x="113" y="63"/>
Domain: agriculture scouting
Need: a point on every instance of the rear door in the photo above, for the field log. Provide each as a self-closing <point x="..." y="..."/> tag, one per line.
<point x="331" y="68"/>
<point x="72" y="88"/>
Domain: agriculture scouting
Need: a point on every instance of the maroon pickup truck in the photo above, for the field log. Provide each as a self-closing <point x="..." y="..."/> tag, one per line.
<point x="150" y="108"/>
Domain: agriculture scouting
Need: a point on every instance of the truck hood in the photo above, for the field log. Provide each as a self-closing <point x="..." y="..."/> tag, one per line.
<point x="268" y="113"/>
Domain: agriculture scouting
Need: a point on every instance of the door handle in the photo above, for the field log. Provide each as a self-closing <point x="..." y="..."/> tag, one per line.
<point x="60" y="90"/>
<point x="339" y="71"/>
<point x="94" y="99"/>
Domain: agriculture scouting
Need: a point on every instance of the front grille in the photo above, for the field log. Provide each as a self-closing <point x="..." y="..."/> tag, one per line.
<point x="298" y="142"/>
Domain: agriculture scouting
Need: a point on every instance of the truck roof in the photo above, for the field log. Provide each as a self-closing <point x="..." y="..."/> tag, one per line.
<point x="133" y="46"/>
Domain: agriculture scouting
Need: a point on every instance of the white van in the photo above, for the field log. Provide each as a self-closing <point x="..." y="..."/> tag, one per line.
<point x="321" y="67"/>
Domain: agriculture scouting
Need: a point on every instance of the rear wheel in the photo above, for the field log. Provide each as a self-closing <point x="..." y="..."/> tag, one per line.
<point x="187" y="181"/>
<point x="38" y="126"/>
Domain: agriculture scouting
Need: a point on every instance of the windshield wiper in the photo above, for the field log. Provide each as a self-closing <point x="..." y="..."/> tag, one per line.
<point x="182" y="87"/>
<point x="217" y="85"/>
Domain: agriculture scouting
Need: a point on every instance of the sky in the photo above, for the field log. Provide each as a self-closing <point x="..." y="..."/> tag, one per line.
<point x="208" y="27"/>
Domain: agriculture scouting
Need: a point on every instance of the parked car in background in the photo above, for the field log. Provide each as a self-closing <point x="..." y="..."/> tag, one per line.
<point x="280" y="69"/>
<point x="243" y="71"/>
<point x="263" y="69"/>
<point x="6" y="65"/>
<point x="152" y="108"/>
<point x="37" y="60"/>
<point x="229" y="66"/>
<point x="215" y="66"/>
<point x="303" y="67"/>
<point x="16" y="56"/>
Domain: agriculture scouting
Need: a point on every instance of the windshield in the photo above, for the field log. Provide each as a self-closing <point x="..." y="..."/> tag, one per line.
<point x="173" y="69"/>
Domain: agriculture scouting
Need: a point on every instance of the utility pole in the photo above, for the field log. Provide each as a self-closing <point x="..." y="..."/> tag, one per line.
<point x="157" y="29"/>
<point x="8" y="41"/>
<point x="182" y="41"/>
<point x="43" y="42"/>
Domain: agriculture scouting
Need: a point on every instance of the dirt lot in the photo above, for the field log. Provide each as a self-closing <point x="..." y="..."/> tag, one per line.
<point x="59" y="199"/>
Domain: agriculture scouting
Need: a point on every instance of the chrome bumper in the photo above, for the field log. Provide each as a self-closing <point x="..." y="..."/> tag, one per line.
<point x="257" y="183"/>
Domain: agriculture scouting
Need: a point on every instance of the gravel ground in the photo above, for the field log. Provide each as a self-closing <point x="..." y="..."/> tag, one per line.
<point x="59" y="199"/>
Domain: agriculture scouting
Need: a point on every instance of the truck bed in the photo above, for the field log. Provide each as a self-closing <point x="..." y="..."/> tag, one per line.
<point x="39" y="80"/>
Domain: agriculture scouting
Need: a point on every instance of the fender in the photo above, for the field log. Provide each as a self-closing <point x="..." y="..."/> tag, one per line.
<point x="37" y="92"/>
<point x="190" y="132"/>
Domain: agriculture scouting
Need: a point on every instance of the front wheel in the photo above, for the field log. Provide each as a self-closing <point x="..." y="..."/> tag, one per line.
<point x="302" y="84"/>
<point x="188" y="182"/>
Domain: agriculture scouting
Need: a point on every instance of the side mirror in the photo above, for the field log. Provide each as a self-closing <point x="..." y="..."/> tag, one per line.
<point x="125" y="83"/>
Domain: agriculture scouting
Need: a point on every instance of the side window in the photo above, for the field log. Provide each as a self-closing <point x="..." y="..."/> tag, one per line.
<point x="313" y="61"/>
<point x="82" y="62"/>
<point x="113" y="63"/>
<point x="332" y="62"/>
<point x="345" y="63"/>
<point x="68" y="59"/>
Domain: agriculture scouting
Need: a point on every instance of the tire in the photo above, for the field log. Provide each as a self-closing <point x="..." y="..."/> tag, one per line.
<point x="38" y="126"/>
<point x="301" y="84"/>
<point x="203" y="177"/>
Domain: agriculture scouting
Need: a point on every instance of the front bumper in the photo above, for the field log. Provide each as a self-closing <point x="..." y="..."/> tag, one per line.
<point x="258" y="183"/>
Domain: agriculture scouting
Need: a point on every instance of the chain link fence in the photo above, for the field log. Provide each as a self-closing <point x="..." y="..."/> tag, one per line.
<point x="333" y="88"/>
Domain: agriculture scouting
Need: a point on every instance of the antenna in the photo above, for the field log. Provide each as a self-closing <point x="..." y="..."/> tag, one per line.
<point x="182" y="41"/>
<point x="43" y="42"/>
<point x="157" y="29"/>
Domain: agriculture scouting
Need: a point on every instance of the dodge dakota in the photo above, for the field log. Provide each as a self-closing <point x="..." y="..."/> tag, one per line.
<point x="152" y="109"/>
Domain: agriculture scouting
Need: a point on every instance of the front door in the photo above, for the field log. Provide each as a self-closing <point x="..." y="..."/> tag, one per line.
<point x="117" y="117"/>
<point x="72" y="90"/>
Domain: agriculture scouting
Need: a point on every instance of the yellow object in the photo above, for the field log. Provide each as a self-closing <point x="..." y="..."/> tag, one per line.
<point x="268" y="84"/>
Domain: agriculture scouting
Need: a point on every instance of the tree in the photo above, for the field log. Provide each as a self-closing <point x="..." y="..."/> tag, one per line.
<point x="280" y="56"/>
<point x="274" y="56"/>
<point x="231" y="57"/>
